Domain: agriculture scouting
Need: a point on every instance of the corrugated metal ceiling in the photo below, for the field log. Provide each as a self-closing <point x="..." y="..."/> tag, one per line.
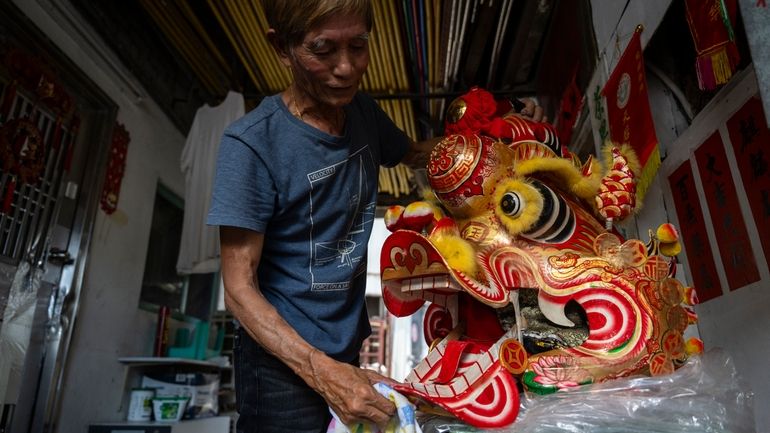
<point x="423" y="52"/>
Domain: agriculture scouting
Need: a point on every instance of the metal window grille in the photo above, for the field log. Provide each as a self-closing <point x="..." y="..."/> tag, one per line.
<point x="24" y="226"/>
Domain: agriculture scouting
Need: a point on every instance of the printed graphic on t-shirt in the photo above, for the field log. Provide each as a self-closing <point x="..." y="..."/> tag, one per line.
<point x="334" y="258"/>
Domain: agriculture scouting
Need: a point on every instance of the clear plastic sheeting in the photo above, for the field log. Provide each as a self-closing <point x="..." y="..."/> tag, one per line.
<point x="16" y="327"/>
<point x="706" y="395"/>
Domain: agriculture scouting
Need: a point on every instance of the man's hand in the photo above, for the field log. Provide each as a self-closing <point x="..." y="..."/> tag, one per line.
<point x="531" y="111"/>
<point x="419" y="152"/>
<point x="348" y="390"/>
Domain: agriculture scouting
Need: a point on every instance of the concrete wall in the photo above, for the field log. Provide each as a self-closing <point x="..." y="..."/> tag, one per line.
<point x="736" y="320"/>
<point x="109" y="323"/>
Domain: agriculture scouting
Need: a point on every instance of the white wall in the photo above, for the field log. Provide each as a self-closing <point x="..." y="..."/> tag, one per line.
<point x="374" y="248"/>
<point x="109" y="323"/>
<point x="735" y="321"/>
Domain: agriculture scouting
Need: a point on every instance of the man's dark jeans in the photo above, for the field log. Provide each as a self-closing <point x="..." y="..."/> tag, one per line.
<point x="270" y="397"/>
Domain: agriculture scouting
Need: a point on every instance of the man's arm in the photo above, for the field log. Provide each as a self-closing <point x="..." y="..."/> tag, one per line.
<point x="419" y="152"/>
<point x="347" y="389"/>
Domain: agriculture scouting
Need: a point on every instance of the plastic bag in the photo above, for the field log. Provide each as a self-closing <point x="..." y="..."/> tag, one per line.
<point x="17" y="312"/>
<point x="705" y="395"/>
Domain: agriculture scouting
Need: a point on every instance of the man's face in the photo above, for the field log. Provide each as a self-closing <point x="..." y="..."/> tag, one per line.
<point x="330" y="61"/>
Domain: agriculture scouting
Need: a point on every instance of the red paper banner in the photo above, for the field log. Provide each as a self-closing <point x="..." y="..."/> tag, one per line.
<point x="628" y="112"/>
<point x="115" y="168"/>
<point x="751" y="143"/>
<point x="708" y="23"/>
<point x="711" y="26"/>
<point x="693" y="229"/>
<point x="569" y="110"/>
<point x="726" y="218"/>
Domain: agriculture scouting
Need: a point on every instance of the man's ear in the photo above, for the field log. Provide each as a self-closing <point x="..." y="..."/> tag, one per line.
<point x="283" y="55"/>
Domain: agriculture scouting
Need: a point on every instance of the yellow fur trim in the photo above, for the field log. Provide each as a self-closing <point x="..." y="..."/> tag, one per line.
<point x="647" y="175"/>
<point x="531" y="205"/>
<point x="458" y="253"/>
<point x="570" y="175"/>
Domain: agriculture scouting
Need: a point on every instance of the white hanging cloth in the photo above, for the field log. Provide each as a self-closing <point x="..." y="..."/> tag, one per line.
<point x="199" y="248"/>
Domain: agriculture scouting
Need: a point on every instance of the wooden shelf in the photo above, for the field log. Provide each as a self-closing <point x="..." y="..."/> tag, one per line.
<point x="154" y="360"/>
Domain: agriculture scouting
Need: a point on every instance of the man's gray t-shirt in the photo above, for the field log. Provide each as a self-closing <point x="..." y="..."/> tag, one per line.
<point x="313" y="195"/>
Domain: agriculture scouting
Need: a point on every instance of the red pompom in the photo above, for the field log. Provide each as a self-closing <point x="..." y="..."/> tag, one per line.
<point x="471" y="112"/>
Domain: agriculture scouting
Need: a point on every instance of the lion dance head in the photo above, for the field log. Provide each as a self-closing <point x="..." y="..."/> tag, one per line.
<point x="526" y="284"/>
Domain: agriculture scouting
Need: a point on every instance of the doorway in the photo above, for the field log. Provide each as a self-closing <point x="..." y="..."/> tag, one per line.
<point x="54" y="128"/>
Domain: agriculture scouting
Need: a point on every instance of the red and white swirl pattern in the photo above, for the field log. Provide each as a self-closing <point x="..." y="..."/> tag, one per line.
<point x="437" y="323"/>
<point x="481" y="392"/>
<point x="614" y="321"/>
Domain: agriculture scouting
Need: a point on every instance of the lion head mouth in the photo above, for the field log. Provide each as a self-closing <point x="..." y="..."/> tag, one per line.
<point x="540" y="334"/>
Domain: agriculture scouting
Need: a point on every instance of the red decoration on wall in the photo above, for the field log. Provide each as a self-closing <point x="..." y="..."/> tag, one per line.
<point x="750" y="137"/>
<point x="628" y="112"/>
<point x="569" y="109"/>
<point x="115" y="169"/>
<point x="22" y="155"/>
<point x="23" y="147"/>
<point x="711" y="26"/>
<point x="33" y="74"/>
<point x="22" y="150"/>
<point x="726" y="218"/>
<point x="693" y="229"/>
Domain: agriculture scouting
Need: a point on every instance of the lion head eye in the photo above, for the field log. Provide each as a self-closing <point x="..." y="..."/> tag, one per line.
<point x="511" y="204"/>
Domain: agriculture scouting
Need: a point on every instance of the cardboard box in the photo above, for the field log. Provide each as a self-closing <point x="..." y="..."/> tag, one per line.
<point x="201" y="388"/>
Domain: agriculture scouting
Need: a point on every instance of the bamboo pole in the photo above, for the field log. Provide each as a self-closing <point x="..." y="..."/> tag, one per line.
<point x="436" y="58"/>
<point x="387" y="51"/>
<point x="394" y="182"/>
<point x="230" y="31"/>
<point x="284" y="74"/>
<point x="404" y="83"/>
<point x="396" y="57"/>
<point x="375" y="58"/>
<point x="250" y="32"/>
<point x="382" y="35"/>
<point x="167" y="18"/>
<point x="196" y="24"/>
<point x="375" y="68"/>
